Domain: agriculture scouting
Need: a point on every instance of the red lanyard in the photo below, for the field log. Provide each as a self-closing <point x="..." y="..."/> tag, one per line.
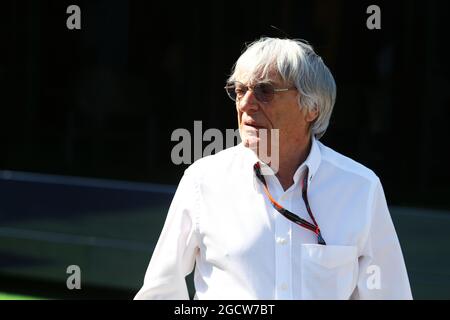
<point x="289" y="215"/>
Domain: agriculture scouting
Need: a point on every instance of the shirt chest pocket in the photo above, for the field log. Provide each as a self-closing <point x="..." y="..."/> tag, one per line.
<point x="328" y="272"/>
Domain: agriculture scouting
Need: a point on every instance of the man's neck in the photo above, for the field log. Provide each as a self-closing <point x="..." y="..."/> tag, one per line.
<point x="289" y="161"/>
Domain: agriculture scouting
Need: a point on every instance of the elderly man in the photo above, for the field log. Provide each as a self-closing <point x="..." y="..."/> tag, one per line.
<point x="307" y="224"/>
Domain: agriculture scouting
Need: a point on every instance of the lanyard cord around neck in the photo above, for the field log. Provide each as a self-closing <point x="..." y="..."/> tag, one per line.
<point x="286" y="213"/>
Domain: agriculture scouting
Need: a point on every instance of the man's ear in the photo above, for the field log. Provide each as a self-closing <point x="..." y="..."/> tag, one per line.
<point x="312" y="115"/>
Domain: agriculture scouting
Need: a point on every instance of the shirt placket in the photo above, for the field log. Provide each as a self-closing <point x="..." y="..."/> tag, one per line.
<point x="283" y="246"/>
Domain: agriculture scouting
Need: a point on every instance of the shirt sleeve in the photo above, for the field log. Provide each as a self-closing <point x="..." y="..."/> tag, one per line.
<point x="174" y="255"/>
<point x="382" y="270"/>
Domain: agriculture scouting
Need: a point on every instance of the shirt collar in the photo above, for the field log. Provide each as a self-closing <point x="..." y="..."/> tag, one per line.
<point x="312" y="161"/>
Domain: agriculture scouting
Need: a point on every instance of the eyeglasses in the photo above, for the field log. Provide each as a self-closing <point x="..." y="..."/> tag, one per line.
<point x="264" y="91"/>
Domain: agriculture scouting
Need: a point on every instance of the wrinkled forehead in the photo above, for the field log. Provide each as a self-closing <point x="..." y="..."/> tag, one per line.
<point x="251" y="73"/>
<point x="249" y="77"/>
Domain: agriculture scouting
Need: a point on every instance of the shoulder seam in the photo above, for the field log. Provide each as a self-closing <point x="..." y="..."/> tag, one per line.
<point x="372" y="177"/>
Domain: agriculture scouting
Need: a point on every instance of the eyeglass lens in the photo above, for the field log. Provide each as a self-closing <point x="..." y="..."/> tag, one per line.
<point x="264" y="92"/>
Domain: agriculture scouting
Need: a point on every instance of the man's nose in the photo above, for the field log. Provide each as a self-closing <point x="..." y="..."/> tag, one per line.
<point x="248" y="102"/>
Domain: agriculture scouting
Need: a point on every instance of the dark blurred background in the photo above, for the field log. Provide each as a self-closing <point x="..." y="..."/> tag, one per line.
<point x="103" y="101"/>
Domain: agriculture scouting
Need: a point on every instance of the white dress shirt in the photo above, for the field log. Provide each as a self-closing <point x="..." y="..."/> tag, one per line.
<point x="221" y="221"/>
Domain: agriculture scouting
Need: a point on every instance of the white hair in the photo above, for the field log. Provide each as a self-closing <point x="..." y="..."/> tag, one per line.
<point x="298" y="65"/>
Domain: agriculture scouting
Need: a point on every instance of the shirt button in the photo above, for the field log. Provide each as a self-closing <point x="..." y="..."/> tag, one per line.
<point x="284" y="287"/>
<point x="281" y="240"/>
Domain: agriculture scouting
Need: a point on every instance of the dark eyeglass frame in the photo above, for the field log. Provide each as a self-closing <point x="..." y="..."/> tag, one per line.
<point x="264" y="91"/>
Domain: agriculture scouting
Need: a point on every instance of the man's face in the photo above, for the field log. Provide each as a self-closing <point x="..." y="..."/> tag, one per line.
<point x="282" y="113"/>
